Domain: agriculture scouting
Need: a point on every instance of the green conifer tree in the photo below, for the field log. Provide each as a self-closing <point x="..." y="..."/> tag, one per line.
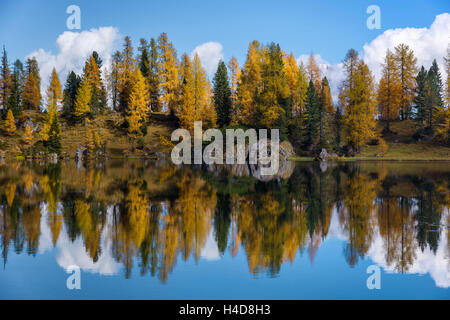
<point x="70" y="93"/>
<point x="222" y="95"/>
<point x="421" y="99"/>
<point x="312" y="116"/>
<point x="435" y="102"/>
<point x="15" y="99"/>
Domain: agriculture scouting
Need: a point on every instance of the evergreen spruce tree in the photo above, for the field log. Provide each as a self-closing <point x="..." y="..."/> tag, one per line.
<point x="153" y="80"/>
<point x="102" y="99"/>
<point x="312" y="116"/>
<point x="144" y="60"/>
<point x="186" y="111"/>
<point x="5" y="82"/>
<point x="421" y="99"/>
<point x="435" y="102"/>
<point x="97" y="58"/>
<point x="15" y="99"/>
<point x="325" y="107"/>
<point x="296" y="133"/>
<point x="337" y="128"/>
<point x="126" y="68"/>
<point x="70" y="94"/>
<point x="222" y="95"/>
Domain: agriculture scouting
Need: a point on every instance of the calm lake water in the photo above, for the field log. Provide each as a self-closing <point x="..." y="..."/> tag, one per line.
<point x="154" y="231"/>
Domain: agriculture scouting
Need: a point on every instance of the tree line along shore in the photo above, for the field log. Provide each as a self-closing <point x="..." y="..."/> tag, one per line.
<point x="130" y="107"/>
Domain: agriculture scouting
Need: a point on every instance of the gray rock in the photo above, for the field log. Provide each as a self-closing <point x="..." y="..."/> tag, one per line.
<point x="324" y="155"/>
<point x="33" y="126"/>
<point x="79" y="154"/>
<point x="161" y="155"/>
<point x="53" y="157"/>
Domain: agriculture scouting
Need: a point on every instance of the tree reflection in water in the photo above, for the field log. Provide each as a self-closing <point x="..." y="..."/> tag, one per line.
<point x="153" y="214"/>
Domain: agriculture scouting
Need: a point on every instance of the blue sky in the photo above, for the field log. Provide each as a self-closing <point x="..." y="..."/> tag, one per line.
<point x="222" y="29"/>
<point x="326" y="27"/>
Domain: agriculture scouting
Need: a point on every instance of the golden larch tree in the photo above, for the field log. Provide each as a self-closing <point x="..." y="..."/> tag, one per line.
<point x="250" y="85"/>
<point x="28" y="135"/>
<point x="389" y="90"/>
<point x="270" y="109"/>
<point x="89" y="140"/>
<point x="83" y="99"/>
<point x="195" y="103"/>
<point x="50" y="116"/>
<point x="235" y="78"/>
<point x="443" y="127"/>
<point x="186" y="110"/>
<point x="406" y="64"/>
<point x="54" y="92"/>
<point x="326" y="100"/>
<point x="291" y="72"/>
<point x="92" y="72"/>
<point x="138" y="106"/>
<point x="358" y="101"/>
<point x="314" y="72"/>
<point x="10" y="125"/>
<point x="6" y="81"/>
<point x="202" y="94"/>
<point x="31" y="95"/>
<point x="168" y="73"/>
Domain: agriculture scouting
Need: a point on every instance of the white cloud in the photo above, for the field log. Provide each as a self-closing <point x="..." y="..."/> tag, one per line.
<point x="427" y="44"/>
<point x="424" y="262"/>
<point x="210" y="251"/>
<point x="45" y="240"/>
<point x="210" y="53"/>
<point x="73" y="50"/>
<point x="74" y="253"/>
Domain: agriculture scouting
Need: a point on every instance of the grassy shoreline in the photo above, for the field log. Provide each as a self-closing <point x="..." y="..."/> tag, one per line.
<point x="401" y="147"/>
